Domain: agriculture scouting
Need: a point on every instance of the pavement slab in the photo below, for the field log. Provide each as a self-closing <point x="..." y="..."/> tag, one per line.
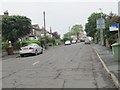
<point x="107" y="57"/>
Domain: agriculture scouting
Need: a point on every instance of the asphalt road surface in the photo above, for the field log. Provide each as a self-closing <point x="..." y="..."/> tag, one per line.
<point x="72" y="66"/>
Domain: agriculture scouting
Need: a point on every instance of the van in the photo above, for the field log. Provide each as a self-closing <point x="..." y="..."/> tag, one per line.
<point x="87" y="41"/>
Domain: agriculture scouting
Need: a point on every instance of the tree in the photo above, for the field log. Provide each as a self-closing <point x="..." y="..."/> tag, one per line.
<point x="56" y="35"/>
<point x="67" y="37"/>
<point x="90" y="27"/>
<point x="111" y="36"/>
<point x="76" y="29"/>
<point x="14" y="27"/>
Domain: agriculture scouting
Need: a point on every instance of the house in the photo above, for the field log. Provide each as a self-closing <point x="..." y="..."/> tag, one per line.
<point x="35" y="33"/>
<point x="38" y="32"/>
<point x="45" y="32"/>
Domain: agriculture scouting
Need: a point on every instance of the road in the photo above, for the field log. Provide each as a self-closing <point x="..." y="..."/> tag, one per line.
<point x="72" y="66"/>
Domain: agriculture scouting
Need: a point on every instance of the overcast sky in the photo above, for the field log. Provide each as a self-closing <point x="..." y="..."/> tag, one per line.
<point x="60" y="14"/>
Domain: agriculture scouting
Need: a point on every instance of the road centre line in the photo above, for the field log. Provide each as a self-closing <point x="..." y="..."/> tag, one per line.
<point x="35" y="63"/>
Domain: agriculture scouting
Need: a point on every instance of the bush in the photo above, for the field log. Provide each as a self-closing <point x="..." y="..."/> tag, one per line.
<point x="30" y="41"/>
<point x="67" y="38"/>
<point x="16" y="46"/>
<point x="4" y="45"/>
<point x="58" y="42"/>
<point x="50" y="40"/>
<point x="50" y="44"/>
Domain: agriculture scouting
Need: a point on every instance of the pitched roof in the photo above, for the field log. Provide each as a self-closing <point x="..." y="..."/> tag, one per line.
<point x="36" y="27"/>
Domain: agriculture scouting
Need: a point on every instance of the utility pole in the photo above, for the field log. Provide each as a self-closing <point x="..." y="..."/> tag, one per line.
<point x="44" y="29"/>
<point x="101" y="29"/>
<point x="69" y="31"/>
<point x="50" y="32"/>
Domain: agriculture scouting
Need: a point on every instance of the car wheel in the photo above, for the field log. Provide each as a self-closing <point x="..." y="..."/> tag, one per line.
<point x="41" y="51"/>
<point x="36" y="52"/>
<point x="22" y="55"/>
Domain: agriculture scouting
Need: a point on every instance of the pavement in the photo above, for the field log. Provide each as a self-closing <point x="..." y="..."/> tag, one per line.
<point x="5" y="55"/>
<point x="110" y="64"/>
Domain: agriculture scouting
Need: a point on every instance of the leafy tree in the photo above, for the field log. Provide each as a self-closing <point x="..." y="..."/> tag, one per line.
<point x="67" y="34"/>
<point x="111" y="36"/>
<point x="76" y="29"/>
<point x="67" y="37"/>
<point x="56" y="35"/>
<point x="90" y="27"/>
<point x="14" y="27"/>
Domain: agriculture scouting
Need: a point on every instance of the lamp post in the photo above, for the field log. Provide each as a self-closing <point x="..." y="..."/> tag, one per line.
<point x="44" y="28"/>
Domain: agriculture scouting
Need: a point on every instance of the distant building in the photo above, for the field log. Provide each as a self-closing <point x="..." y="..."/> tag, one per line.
<point x="37" y="33"/>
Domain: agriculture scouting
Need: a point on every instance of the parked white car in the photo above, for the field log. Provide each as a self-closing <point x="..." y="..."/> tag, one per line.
<point x="73" y="41"/>
<point x="67" y="42"/>
<point x="31" y="49"/>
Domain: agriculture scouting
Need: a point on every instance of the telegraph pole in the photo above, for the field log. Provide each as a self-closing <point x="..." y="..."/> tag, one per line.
<point x="101" y="30"/>
<point x="69" y="31"/>
<point x="44" y="29"/>
<point x="50" y="32"/>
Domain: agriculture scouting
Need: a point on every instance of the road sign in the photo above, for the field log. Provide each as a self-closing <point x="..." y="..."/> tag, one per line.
<point x="114" y="27"/>
<point x="100" y="23"/>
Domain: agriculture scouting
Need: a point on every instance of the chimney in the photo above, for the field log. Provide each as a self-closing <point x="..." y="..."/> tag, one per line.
<point x="6" y="13"/>
<point x="50" y="30"/>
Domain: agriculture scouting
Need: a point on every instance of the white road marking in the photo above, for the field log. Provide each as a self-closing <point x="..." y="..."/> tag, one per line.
<point x="35" y="63"/>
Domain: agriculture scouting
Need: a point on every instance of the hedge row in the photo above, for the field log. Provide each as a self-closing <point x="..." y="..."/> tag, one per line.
<point x="30" y="41"/>
<point x="17" y="45"/>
